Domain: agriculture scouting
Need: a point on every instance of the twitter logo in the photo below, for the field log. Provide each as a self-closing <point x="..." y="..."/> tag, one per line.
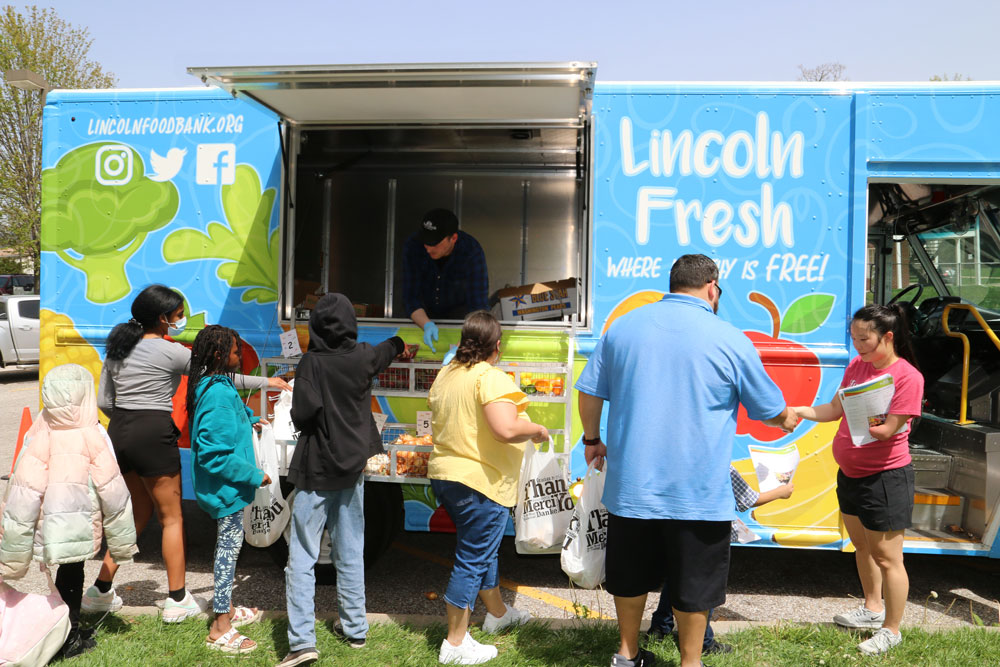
<point x="165" y="168"/>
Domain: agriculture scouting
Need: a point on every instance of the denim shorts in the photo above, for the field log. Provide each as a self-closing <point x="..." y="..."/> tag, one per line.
<point x="479" y="526"/>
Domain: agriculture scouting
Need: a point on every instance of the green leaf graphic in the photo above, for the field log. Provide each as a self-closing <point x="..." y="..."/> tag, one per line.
<point x="250" y="253"/>
<point x="807" y="313"/>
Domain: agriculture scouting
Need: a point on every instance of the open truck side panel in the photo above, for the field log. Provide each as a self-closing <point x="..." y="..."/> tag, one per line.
<point x="202" y="190"/>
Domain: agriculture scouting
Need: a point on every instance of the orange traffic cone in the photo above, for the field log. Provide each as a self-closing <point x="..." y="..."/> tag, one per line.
<point x="25" y="425"/>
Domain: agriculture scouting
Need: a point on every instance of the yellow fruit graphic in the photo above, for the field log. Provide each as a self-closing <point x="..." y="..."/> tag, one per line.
<point x="630" y="303"/>
<point x="810" y="517"/>
<point x="61" y="344"/>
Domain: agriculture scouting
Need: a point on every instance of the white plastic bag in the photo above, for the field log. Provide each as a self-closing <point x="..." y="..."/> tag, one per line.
<point x="284" y="429"/>
<point x="582" y="557"/>
<point x="544" y="506"/>
<point x="266" y="517"/>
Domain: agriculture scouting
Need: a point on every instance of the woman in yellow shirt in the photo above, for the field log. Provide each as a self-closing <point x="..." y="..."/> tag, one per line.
<point x="479" y="428"/>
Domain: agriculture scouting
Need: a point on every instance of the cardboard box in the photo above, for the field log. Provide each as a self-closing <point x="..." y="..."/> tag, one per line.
<point x="539" y="301"/>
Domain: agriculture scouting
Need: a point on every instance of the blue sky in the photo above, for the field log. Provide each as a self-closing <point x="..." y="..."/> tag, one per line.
<point x="150" y="45"/>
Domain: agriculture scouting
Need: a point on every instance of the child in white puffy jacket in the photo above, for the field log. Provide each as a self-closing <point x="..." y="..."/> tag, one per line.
<point x="66" y="491"/>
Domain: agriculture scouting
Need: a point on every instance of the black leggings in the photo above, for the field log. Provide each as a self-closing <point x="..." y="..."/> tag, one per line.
<point x="69" y="583"/>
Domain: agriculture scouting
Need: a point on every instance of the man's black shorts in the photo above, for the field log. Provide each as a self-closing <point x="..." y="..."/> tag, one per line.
<point x="693" y="556"/>
<point x="145" y="441"/>
<point x="883" y="501"/>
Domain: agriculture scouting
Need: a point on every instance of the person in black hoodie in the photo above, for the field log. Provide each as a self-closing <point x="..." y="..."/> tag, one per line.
<point x="331" y="408"/>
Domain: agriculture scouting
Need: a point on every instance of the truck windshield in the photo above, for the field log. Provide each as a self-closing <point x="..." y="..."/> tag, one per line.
<point x="966" y="256"/>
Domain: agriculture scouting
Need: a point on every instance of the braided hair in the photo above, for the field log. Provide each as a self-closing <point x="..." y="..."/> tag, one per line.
<point x="210" y="356"/>
<point x="882" y="320"/>
<point x="148" y="306"/>
<point x="480" y="333"/>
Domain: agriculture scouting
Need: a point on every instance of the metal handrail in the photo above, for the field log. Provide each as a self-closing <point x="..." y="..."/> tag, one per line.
<point x="963" y="408"/>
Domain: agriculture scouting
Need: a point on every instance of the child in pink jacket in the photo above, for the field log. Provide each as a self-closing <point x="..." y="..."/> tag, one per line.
<point x="66" y="491"/>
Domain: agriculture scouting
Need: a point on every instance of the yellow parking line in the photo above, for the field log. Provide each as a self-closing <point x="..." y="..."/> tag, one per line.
<point x="529" y="591"/>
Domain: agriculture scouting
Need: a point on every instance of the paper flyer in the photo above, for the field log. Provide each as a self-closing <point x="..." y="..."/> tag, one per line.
<point x="774" y="466"/>
<point x="866" y="405"/>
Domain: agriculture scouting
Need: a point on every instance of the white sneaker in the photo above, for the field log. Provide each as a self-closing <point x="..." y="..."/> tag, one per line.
<point x="861" y="618"/>
<point x="883" y="640"/>
<point x="175" y="612"/>
<point x="511" y="617"/>
<point x="96" y="601"/>
<point x="469" y="652"/>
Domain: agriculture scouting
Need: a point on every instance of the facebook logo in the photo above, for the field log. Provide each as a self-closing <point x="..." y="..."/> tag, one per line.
<point x="216" y="164"/>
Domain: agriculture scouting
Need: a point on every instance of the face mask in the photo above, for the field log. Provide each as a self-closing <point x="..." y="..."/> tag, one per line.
<point x="175" y="328"/>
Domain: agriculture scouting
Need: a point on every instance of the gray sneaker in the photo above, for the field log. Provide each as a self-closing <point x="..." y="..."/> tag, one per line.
<point x="880" y="642"/>
<point x="860" y="618"/>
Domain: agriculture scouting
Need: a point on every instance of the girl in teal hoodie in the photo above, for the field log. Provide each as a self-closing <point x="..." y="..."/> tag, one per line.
<point x="224" y="471"/>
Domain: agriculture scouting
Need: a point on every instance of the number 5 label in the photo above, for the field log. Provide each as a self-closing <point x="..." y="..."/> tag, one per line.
<point x="423" y="422"/>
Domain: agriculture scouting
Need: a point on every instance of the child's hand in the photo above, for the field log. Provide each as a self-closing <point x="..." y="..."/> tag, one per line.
<point x="267" y="480"/>
<point x="785" y="490"/>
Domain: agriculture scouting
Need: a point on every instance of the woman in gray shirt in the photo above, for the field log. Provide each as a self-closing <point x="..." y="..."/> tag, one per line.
<point x="141" y="373"/>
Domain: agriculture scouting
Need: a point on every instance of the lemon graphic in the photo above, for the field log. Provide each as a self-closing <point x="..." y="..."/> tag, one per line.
<point x="630" y="303"/>
<point x="811" y="516"/>
<point x="61" y="344"/>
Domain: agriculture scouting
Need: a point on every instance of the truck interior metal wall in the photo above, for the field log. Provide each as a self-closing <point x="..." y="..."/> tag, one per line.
<point x="515" y="190"/>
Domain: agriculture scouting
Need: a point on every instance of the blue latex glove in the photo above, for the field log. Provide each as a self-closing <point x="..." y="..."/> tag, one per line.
<point x="430" y="335"/>
<point x="449" y="355"/>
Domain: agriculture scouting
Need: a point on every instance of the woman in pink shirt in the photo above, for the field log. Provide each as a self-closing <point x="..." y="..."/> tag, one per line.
<point x="875" y="481"/>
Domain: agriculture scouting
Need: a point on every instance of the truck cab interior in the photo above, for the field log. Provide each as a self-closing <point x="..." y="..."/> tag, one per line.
<point x="370" y="149"/>
<point x="935" y="249"/>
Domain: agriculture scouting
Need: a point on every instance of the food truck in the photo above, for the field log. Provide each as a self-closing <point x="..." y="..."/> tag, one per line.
<point x="268" y="186"/>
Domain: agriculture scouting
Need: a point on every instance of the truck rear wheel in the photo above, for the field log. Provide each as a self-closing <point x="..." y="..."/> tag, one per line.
<point x="383" y="521"/>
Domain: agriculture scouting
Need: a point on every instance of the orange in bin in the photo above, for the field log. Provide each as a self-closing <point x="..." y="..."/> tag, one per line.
<point x="542" y="386"/>
<point x="557" y="387"/>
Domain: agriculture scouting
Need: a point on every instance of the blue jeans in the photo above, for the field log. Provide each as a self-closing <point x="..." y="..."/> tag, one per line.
<point x="228" y="541"/>
<point x="479" y="527"/>
<point x="663" y="619"/>
<point x="343" y="514"/>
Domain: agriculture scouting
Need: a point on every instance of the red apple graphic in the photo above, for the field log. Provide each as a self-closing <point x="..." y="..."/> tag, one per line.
<point x="792" y="367"/>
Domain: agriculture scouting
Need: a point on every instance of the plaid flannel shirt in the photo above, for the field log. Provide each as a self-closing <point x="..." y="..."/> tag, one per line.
<point x="744" y="495"/>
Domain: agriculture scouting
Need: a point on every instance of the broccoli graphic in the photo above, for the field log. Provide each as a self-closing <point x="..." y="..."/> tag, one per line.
<point x="249" y="251"/>
<point x="97" y="203"/>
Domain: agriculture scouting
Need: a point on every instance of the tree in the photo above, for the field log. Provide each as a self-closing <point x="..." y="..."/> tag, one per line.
<point x="823" y="72"/>
<point x="40" y="41"/>
<point x="953" y="77"/>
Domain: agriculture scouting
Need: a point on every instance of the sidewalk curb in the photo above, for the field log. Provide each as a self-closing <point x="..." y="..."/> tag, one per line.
<point x="421" y="621"/>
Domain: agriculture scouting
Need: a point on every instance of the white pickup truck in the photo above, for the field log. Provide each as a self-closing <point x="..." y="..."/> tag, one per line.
<point x="19" y="330"/>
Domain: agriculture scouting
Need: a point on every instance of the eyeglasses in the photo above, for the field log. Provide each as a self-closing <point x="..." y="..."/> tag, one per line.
<point x="718" y="288"/>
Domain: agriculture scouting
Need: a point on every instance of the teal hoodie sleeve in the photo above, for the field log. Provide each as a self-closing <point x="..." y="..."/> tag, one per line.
<point x="219" y="426"/>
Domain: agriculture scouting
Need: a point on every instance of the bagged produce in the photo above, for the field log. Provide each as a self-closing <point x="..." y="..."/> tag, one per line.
<point x="266" y="517"/>
<point x="582" y="557"/>
<point x="544" y="506"/>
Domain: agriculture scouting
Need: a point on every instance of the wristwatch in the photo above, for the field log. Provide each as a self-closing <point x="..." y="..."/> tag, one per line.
<point x="590" y="442"/>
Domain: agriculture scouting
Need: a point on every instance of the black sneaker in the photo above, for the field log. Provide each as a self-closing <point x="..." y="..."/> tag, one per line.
<point x="716" y="648"/>
<point x="353" y="642"/>
<point x="76" y="643"/>
<point x="657" y="634"/>
<point x="304" y="656"/>
<point x="644" y="659"/>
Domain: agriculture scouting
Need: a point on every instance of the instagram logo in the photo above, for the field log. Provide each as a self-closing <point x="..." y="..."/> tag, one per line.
<point x="113" y="165"/>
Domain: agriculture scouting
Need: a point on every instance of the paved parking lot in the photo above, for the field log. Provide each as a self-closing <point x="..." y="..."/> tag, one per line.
<point x="765" y="584"/>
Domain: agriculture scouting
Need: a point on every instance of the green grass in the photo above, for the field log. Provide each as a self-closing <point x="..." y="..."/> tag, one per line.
<point x="145" y="641"/>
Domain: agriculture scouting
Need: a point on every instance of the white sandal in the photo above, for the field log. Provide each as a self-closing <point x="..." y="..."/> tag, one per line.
<point x="231" y="642"/>
<point x="244" y="615"/>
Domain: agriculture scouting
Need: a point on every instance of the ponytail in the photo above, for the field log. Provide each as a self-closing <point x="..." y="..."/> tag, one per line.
<point x="148" y="306"/>
<point x="884" y="319"/>
<point x="480" y="333"/>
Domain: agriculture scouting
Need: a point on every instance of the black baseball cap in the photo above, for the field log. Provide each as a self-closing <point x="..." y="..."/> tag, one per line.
<point x="436" y="225"/>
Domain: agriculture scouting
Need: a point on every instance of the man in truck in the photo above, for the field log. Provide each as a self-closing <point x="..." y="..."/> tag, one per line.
<point x="444" y="273"/>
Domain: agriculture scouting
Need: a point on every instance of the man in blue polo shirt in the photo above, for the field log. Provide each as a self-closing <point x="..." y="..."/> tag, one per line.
<point x="674" y="375"/>
<point x="444" y="273"/>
